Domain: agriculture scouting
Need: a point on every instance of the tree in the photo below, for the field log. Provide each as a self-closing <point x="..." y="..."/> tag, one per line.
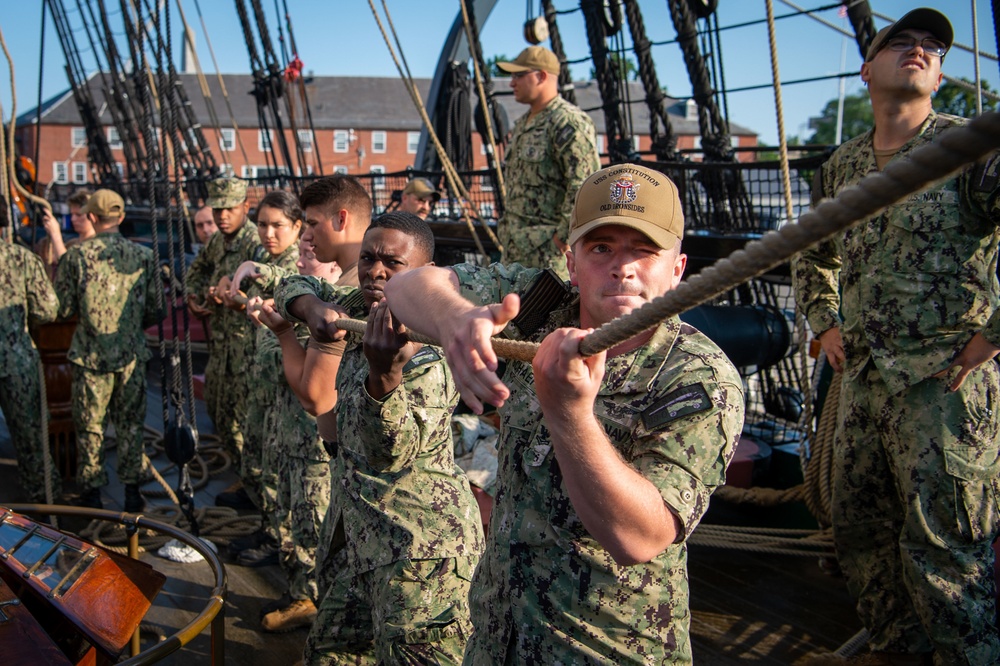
<point x="627" y="69"/>
<point x="491" y="65"/>
<point x="858" y="118"/>
<point x="960" y="101"/>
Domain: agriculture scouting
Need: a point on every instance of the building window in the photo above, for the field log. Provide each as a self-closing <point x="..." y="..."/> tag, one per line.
<point x="256" y="171"/>
<point x="341" y="141"/>
<point x="265" y="138"/>
<point x="306" y="140"/>
<point x="120" y="169"/>
<point x="412" y="142"/>
<point x="79" y="137"/>
<point x="60" y="172"/>
<point x="486" y="211"/>
<point x="226" y="170"/>
<point x="227" y="139"/>
<point x="114" y="139"/>
<point x="378" y="142"/>
<point x="80" y="173"/>
<point x="377" y="182"/>
<point x="340" y="169"/>
<point x="600" y="143"/>
<point x="635" y="143"/>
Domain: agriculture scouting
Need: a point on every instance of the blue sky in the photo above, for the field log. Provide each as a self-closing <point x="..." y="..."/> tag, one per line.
<point x="340" y="37"/>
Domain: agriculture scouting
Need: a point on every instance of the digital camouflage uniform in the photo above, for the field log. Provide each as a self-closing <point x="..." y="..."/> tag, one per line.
<point x="110" y="284"/>
<point x="546" y="592"/>
<point x="26" y="297"/>
<point x="295" y="468"/>
<point x="548" y="158"/>
<point x="225" y="383"/>
<point x="916" y="473"/>
<point x="259" y="395"/>
<point x="411" y="522"/>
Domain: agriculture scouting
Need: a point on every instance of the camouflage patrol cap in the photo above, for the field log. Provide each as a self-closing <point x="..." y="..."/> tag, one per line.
<point x="104" y="203"/>
<point x="532" y="58"/>
<point x="632" y="196"/>
<point x="420" y="188"/>
<point x="923" y="18"/>
<point x="226" y="192"/>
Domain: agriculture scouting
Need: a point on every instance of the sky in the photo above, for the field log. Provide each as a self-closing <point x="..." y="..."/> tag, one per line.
<point x="341" y="37"/>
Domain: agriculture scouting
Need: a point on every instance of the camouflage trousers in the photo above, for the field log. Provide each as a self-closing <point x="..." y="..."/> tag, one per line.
<point x="407" y="612"/>
<point x="23" y="409"/>
<point x="533" y="247"/>
<point x="296" y="494"/>
<point x="225" y="400"/>
<point x="118" y="396"/>
<point x="251" y="461"/>
<point x="916" y="479"/>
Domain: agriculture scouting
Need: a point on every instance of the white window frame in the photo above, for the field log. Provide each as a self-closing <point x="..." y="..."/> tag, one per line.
<point x="120" y="168"/>
<point x="380" y="140"/>
<point x="227" y="170"/>
<point x="60" y="172"/>
<point x="265" y="145"/>
<point x="227" y="139"/>
<point x="114" y="139"/>
<point x="79" y="173"/>
<point x="377" y="183"/>
<point x="412" y="142"/>
<point x="600" y="143"/>
<point x="636" y="140"/>
<point x="79" y="137"/>
<point x="340" y="170"/>
<point x="341" y="141"/>
<point x="306" y="140"/>
<point x="487" y="211"/>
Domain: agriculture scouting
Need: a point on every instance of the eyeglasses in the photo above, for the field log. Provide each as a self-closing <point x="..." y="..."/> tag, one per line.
<point x="517" y="75"/>
<point x="930" y="45"/>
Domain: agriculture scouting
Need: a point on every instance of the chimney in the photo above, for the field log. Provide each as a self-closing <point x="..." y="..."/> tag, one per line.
<point x="187" y="57"/>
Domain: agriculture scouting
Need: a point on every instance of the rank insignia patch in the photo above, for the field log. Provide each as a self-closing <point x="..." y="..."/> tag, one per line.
<point x="677" y="404"/>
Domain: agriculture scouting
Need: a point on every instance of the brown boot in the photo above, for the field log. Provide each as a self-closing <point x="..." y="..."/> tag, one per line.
<point x="299" y="613"/>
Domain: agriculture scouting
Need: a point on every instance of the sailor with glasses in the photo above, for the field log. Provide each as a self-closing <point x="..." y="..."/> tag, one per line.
<point x="905" y="305"/>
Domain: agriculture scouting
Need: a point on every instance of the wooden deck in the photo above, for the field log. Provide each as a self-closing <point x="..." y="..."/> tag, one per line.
<point x="746" y="608"/>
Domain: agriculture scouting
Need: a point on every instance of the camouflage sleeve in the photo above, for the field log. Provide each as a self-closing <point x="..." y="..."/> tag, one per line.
<point x="67" y="279"/>
<point x="200" y="271"/>
<point x="293" y="286"/>
<point x="816" y="273"/>
<point x="415" y="414"/>
<point x="268" y="353"/>
<point x="575" y="143"/>
<point x="270" y="277"/>
<point x="484" y="286"/>
<point x="685" y="456"/>
<point x="42" y="302"/>
<point x="984" y="192"/>
<point x="151" y="313"/>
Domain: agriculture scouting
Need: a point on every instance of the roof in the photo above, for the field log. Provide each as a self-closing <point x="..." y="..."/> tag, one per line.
<point x="357" y="102"/>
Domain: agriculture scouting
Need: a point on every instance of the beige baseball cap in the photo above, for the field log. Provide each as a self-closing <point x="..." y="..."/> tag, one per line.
<point x="104" y="203"/>
<point x="421" y="187"/>
<point x="923" y="18"/>
<point x="632" y="196"/>
<point x="533" y="58"/>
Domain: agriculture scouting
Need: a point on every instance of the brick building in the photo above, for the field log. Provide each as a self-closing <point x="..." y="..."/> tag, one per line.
<point x="362" y="125"/>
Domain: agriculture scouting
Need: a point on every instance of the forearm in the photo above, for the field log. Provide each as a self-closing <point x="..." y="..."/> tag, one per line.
<point x="426" y="299"/>
<point x="318" y="383"/>
<point x="619" y="507"/>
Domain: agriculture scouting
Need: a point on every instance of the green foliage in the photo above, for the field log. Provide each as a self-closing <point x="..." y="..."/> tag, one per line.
<point x="627" y="69"/>
<point x="491" y="64"/>
<point x="858" y="118"/>
<point x="957" y="100"/>
<point x="775" y="155"/>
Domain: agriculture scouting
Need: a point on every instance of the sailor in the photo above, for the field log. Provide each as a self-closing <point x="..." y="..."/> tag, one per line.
<point x="279" y="221"/>
<point x="905" y="305"/>
<point x="552" y="150"/>
<point x="204" y="225"/>
<point x="52" y="247"/>
<point x="26" y="299"/>
<point x="411" y="524"/>
<point x="607" y="462"/>
<point x="110" y="284"/>
<point x="225" y="392"/>
<point x="419" y="197"/>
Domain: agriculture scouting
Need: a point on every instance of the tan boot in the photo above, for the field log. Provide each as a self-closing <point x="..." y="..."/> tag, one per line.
<point x="299" y="613"/>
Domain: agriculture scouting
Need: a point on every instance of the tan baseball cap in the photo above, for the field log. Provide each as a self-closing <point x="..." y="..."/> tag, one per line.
<point x="226" y="192"/>
<point x="923" y="18"/>
<point x="104" y="203"/>
<point x="533" y="58"/>
<point x="421" y="187"/>
<point x="632" y="196"/>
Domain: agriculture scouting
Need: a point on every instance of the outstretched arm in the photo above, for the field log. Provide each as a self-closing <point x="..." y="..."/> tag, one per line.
<point x="620" y="508"/>
<point x="428" y="300"/>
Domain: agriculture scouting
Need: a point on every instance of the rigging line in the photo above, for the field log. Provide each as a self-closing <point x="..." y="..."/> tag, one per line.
<point x="975" y="59"/>
<point x="454" y="181"/>
<point x="281" y="36"/>
<point x="566" y="88"/>
<point x="483" y="101"/>
<point x="206" y="92"/>
<point x="722" y="70"/>
<point x="786" y="180"/>
<point x="303" y="91"/>
<point x="222" y="84"/>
